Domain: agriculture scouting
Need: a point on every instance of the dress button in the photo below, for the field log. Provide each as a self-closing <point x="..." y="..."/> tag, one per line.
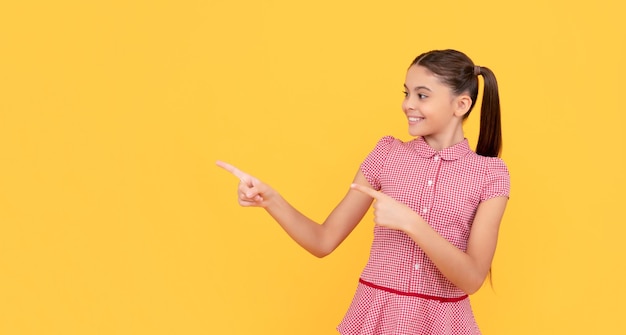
<point x="436" y="158"/>
<point x="425" y="210"/>
<point x="430" y="183"/>
<point x="417" y="266"/>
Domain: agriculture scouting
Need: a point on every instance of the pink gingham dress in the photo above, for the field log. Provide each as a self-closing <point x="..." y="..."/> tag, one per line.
<point x="400" y="290"/>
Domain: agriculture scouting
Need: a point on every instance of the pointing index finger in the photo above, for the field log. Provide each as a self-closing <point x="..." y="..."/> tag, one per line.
<point x="235" y="171"/>
<point x="366" y="190"/>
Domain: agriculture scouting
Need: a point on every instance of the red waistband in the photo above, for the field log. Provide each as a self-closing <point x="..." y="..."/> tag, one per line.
<point x="410" y="294"/>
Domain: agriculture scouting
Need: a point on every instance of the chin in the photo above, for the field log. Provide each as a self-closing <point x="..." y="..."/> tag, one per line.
<point x="415" y="133"/>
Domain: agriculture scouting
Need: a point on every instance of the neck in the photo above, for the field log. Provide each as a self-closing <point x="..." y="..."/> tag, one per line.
<point x="441" y="141"/>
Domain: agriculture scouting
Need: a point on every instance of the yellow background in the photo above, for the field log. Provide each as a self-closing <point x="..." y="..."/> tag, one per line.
<point x="115" y="220"/>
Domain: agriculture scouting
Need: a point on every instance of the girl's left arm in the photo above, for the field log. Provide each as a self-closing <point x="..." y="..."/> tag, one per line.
<point x="467" y="270"/>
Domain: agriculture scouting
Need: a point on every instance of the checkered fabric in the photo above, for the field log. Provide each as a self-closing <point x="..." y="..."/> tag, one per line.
<point x="400" y="290"/>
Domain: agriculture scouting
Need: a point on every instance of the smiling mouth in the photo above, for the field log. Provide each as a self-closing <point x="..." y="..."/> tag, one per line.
<point x="415" y="119"/>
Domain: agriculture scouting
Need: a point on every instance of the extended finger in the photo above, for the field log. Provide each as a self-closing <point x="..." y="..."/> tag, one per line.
<point x="235" y="171"/>
<point x="367" y="191"/>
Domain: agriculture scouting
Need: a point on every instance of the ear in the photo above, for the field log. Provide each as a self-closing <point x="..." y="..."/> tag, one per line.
<point x="463" y="104"/>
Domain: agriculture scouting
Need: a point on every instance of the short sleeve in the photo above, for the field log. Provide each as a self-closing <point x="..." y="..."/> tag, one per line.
<point x="497" y="181"/>
<point x="373" y="164"/>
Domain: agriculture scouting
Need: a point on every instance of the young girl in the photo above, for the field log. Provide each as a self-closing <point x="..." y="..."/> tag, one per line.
<point x="437" y="206"/>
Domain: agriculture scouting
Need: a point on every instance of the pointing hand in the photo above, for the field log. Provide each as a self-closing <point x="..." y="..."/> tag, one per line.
<point x="252" y="192"/>
<point x="388" y="212"/>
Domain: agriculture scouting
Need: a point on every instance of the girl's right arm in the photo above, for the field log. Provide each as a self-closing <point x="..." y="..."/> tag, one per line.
<point x="318" y="239"/>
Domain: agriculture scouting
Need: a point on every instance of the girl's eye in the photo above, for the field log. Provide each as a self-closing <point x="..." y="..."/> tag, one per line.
<point x="421" y="96"/>
<point x="406" y="94"/>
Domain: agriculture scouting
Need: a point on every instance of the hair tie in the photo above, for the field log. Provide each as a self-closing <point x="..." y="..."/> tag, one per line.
<point x="476" y="70"/>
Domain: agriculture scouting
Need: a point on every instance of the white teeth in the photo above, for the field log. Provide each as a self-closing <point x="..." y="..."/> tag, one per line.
<point x="414" y="119"/>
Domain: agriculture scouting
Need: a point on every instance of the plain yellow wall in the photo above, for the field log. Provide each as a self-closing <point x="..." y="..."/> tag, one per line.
<point x="115" y="220"/>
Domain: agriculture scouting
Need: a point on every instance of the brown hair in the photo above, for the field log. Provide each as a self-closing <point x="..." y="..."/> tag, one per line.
<point x="458" y="71"/>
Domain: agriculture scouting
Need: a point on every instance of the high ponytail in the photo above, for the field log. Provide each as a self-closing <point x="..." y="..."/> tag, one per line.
<point x="458" y="71"/>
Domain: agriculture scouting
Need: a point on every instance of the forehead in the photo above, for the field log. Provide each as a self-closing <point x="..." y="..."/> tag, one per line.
<point x="418" y="75"/>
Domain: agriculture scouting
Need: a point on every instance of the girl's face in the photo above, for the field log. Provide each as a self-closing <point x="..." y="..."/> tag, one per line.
<point x="432" y="110"/>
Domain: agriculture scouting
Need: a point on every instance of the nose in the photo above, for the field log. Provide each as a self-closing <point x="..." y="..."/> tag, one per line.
<point x="408" y="104"/>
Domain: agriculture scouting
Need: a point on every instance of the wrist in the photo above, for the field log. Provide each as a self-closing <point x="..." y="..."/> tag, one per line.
<point x="412" y="227"/>
<point x="271" y="198"/>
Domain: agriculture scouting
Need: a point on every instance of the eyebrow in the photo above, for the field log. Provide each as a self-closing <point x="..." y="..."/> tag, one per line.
<point x="419" y="87"/>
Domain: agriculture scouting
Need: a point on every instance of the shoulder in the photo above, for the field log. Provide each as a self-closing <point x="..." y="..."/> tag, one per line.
<point x="496" y="165"/>
<point x="496" y="180"/>
<point x="388" y="143"/>
<point x="388" y="140"/>
<point x="486" y="163"/>
<point x="387" y="149"/>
